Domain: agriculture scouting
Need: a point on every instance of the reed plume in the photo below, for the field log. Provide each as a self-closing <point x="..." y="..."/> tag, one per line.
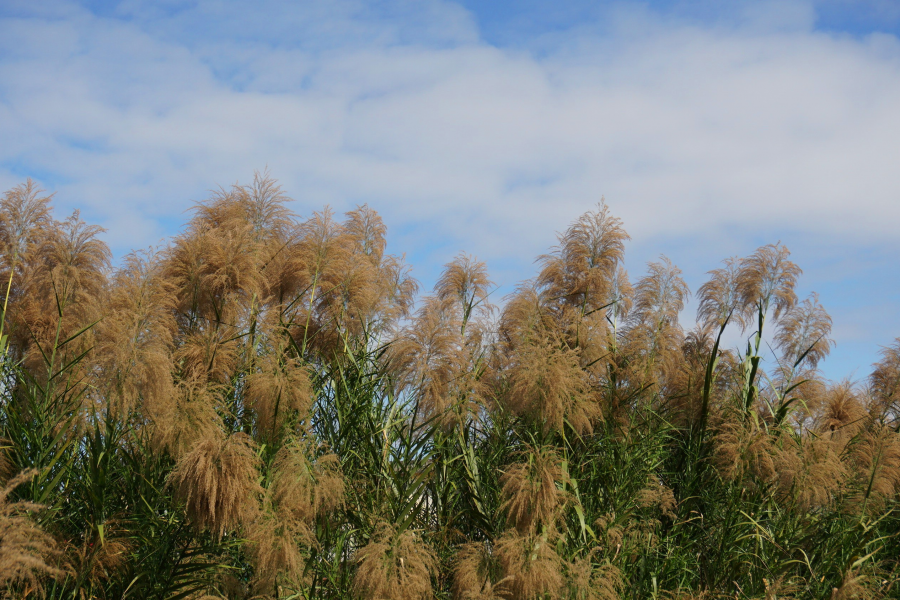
<point x="655" y="336"/>
<point x="136" y="336"/>
<point x="438" y="361"/>
<point x="548" y="386"/>
<point x="587" y="582"/>
<point x="803" y="334"/>
<point x="277" y="391"/>
<point x="394" y="565"/>
<point x="767" y="279"/>
<point x="657" y="495"/>
<point x="531" y="566"/>
<point x="217" y="481"/>
<point x="532" y="490"/>
<point x="27" y="552"/>
<point x="189" y="415"/>
<point x="885" y="382"/>
<point x="720" y="297"/>
<point x="745" y="449"/>
<point x="304" y="488"/>
<point x="582" y="268"/>
<point x="876" y="458"/>
<point x="176" y="416"/>
<point x="62" y="293"/>
<point x="24" y="222"/>
<point x="841" y="410"/>
<point x="477" y="573"/>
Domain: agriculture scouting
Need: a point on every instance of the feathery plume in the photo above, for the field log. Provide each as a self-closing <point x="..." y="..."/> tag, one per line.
<point x="581" y="269"/>
<point x="477" y="573"/>
<point x="659" y="496"/>
<point x="885" y="382"/>
<point x="767" y="278"/>
<point x="186" y="417"/>
<point x="136" y="336"/>
<point x="741" y="449"/>
<point x="532" y="494"/>
<point x="531" y="566"/>
<point x="217" y="481"/>
<point x="877" y="460"/>
<point x="465" y="281"/>
<point x="304" y="488"/>
<point x="278" y="389"/>
<point x="24" y="216"/>
<point x="803" y="334"/>
<point x="841" y="411"/>
<point x="585" y="582"/>
<point x="655" y="336"/>
<point x="548" y="385"/>
<point x="25" y="548"/>
<point x="394" y="565"/>
<point x="719" y="297"/>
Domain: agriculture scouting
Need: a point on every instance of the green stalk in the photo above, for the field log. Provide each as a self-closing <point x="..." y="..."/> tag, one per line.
<point x="12" y="272"/>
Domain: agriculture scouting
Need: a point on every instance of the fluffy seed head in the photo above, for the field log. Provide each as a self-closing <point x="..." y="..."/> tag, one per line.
<point x="587" y="582"/>
<point x="217" y="481"/>
<point x="719" y="297"/>
<point x="581" y="268"/>
<point x="885" y="382"/>
<point x="548" y="385"/>
<point x="25" y="548"/>
<point x="477" y="573"/>
<point x="394" y="565"/>
<point x="841" y="411"/>
<point x="803" y="334"/>
<point x="531" y="490"/>
<point x="532" y="568"/>
<point x="767" y="279"/>
<point x="278" y="390"/>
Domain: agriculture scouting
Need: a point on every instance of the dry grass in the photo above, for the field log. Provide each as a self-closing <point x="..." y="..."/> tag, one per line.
<point x="532" y="490"/>
<point x="396" y="565"/>
<point x="803" y="333"/>
<point x="855" y="586"/>
<point x="257" y="342"/>
<point x="532" y="568"/>
<point x="27" y="552"/>
<point x="588" y="582"/>
<point x="279" y="391"/>
<point x="547" y="385"/>
<point x="217" y="481"/>
<point x="477" y="573"/>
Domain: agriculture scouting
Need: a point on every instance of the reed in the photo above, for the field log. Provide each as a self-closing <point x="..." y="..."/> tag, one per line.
<point x="262" y="409"/>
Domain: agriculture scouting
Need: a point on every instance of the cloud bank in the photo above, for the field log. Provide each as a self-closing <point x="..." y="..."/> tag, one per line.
<point x="707" y="135"/>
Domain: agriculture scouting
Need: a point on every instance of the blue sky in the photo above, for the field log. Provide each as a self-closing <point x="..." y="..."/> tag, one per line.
<point x="710" y="127"/>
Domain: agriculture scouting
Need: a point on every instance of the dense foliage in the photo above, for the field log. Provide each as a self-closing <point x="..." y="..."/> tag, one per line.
<point x="262" y="410"/>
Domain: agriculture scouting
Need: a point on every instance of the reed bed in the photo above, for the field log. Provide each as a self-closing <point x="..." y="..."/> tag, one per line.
<point x="265" y="408"/>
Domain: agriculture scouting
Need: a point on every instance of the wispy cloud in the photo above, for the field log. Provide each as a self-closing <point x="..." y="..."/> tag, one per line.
<point x="707" y="135"/>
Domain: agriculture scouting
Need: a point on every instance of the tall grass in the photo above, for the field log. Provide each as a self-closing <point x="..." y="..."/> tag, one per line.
<point x="262" y="409"/>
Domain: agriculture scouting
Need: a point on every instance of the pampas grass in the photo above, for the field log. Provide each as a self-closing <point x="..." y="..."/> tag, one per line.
<point x="262" y="408"/>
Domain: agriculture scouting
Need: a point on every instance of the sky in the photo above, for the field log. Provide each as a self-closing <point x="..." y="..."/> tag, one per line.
<point x="709" y="127"/>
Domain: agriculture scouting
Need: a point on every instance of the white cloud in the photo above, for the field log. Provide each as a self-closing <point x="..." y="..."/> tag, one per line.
<point x="758" y="128"/>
